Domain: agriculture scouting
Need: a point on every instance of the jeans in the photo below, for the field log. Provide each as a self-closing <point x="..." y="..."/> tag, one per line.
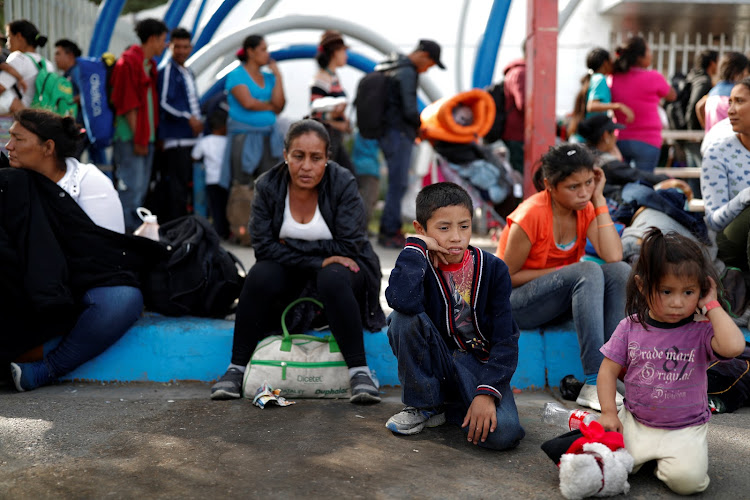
<point x="397" y="148"/>
<point x="645" y="155"/>
<point x="270" y="287"/>
<point x="108" y="313"/>
<point x="595" y="294"/>
<point x="432" y="375"/>
<point x="133" y="173"/>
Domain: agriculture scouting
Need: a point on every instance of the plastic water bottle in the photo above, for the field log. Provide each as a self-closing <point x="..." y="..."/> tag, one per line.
<point x="150" y="227"/>
<point x="556" y="414"/>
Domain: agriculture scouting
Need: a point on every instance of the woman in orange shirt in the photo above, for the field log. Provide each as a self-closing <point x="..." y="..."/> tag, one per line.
<point x="543" y="244"/>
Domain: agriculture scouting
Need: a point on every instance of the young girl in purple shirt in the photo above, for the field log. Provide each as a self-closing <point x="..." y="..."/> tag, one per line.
<point x="664" y="349"/>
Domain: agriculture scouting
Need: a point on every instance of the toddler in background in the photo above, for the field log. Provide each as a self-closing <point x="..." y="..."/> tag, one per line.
<point x="210" y="150"/>
<point x="664" y="348"/>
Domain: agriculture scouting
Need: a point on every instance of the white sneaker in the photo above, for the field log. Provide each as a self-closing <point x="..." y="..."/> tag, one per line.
<point x="589" y="398"/>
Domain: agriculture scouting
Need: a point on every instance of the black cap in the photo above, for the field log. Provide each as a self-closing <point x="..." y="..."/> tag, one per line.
<point x="594" y="126"/>
<point x="433" y="50"/>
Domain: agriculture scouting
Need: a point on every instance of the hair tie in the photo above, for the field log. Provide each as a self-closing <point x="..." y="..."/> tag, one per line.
<point x="320" y="48"/>
<point x="591" y="71"/>
<point x="240" y="52"/>
<point x="36" y="37"/>
<point x="572" y="152"/>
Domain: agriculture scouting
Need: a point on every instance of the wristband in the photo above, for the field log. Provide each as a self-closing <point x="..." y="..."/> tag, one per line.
<point x="708" y="306"/>
<point x="601" y="210"/>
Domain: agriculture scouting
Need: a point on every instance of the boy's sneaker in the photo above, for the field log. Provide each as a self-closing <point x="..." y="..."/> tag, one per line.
<point x="412" y="420"/>
<point x="28" y="376"/>
<point x="364" y="389"/>
<point x="589" y="398"/>
<point x="229" y="385"/>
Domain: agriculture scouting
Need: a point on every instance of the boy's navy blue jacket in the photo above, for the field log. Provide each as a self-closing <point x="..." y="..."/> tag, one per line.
<point x="415" y="286"/>
<point x="174" y="103"/>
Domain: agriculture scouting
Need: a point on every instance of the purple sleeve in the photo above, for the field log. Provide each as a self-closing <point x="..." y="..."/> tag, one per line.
<point x="708" y="336"/>
<point x="616" y="348"/>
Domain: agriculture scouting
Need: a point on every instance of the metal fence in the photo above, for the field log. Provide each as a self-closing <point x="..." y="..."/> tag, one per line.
<point x="72" y="19"/>
<point x="674" y="52"/>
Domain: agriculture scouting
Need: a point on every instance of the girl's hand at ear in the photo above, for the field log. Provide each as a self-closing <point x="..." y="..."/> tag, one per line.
<point x="710" y="295"/>
<point x="599" y="181"/>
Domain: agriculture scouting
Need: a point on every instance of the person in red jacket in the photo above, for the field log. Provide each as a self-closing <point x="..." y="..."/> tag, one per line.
<point x="135" y="100"/>
<point x="515" y="87"/>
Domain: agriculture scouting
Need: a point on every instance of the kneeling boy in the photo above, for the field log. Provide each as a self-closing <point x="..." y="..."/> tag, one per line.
<point x="451" y="327"/>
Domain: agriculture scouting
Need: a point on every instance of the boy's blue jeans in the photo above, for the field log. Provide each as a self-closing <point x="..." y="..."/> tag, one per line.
<point x="595" y="294"/>
<point x="431" y="375"/>
<point x="108" y="313"/>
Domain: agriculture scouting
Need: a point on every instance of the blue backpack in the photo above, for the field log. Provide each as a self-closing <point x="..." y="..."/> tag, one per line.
<point x="91" y="75"/>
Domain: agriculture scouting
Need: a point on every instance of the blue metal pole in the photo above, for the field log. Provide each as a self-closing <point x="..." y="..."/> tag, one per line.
<point x="484" y="65"/>
<point x="213" y="24"/>
<point x="194" y="32"/>
<point x="174" y="13"/>
<point x="106" y="19"/>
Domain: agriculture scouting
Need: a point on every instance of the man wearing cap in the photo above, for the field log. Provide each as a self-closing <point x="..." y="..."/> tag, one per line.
<point x="402" y="124"/>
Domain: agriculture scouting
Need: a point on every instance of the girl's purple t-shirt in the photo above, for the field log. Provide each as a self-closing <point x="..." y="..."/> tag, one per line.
<point x="641" y="90"/>
<point x="665" y="383"/>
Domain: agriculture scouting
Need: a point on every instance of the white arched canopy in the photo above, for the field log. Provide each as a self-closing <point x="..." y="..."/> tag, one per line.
<point x="218" y="48"/>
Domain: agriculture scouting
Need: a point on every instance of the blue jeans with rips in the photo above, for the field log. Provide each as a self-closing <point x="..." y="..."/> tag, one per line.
<point x="108" y="313"/>
<point x="433" y="375"/>
<point x="397" y="149"/>
<point x="594" y="293"/>
<point x="133" y="173"/>
<point x="645" y="155"/>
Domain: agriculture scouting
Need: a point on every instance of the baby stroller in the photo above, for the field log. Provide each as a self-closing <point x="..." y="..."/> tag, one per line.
<point x="453" y="126"/>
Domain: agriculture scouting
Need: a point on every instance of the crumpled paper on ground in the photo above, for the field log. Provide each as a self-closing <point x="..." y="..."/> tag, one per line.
<point x="267" y="394"/>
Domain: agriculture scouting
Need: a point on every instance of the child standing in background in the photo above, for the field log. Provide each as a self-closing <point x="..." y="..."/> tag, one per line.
<point x="665" y="351"/>
<point x="210" y="149"/>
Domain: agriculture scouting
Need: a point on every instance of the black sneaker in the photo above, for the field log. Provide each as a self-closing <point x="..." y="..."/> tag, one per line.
<point x="392" y="240"/>
<point x="229" y="385"/>
<point x="364" y="389"/>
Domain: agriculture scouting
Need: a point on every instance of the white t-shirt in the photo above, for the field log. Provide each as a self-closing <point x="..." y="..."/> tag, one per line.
<point x="94" y="193"/>
<point x="315" y="230"/>
<point x="27" y="69"/>
<point x="210" y="150"/>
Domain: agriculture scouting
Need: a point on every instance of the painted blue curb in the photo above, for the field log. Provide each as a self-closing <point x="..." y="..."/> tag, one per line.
<point x="163" y="349"/>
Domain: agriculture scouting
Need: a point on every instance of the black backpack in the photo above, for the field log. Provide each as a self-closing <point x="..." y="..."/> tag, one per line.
<point x="677" y="109"/>
<point x="371" y="103"/>
<point x="199" y="277"/>
<point x="497" y="91"/>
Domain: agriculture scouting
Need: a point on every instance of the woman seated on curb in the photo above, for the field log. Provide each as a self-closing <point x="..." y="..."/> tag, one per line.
<point x="74" y="267"/>
<point x="308" y="228"/>
<point x="725" y="182"/>
<point x="543" y="244"/>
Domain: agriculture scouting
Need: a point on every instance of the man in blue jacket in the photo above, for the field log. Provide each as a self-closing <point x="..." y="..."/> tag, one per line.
<point x="401" y="128"/>
<point x="179" y="124"/>
<point x="452" y="329"/>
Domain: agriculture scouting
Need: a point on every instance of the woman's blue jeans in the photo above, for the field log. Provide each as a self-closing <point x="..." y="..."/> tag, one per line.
<point x="594" y="293"/>
<point x="108" y="313"/>
<point x="432" y="375"/>
<point x="645" y="155"/>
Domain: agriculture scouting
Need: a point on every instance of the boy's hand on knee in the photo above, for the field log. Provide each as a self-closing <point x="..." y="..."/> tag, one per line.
<point x="481" y="418"/>
<point x="611" y="422"/>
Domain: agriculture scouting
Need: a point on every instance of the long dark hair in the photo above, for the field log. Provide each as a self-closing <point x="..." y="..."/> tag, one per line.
<point x="303" y="127"/>
<point x="663" y="254"/>
<point x="594" y="60"/>
<point x="47" y="125"/>
<point x="250" y="42"/>
<point x="732" y="65"/>
<point x="28" y="31"/>
<point x="627" y="55"/>
<point x="560" y="162"/>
